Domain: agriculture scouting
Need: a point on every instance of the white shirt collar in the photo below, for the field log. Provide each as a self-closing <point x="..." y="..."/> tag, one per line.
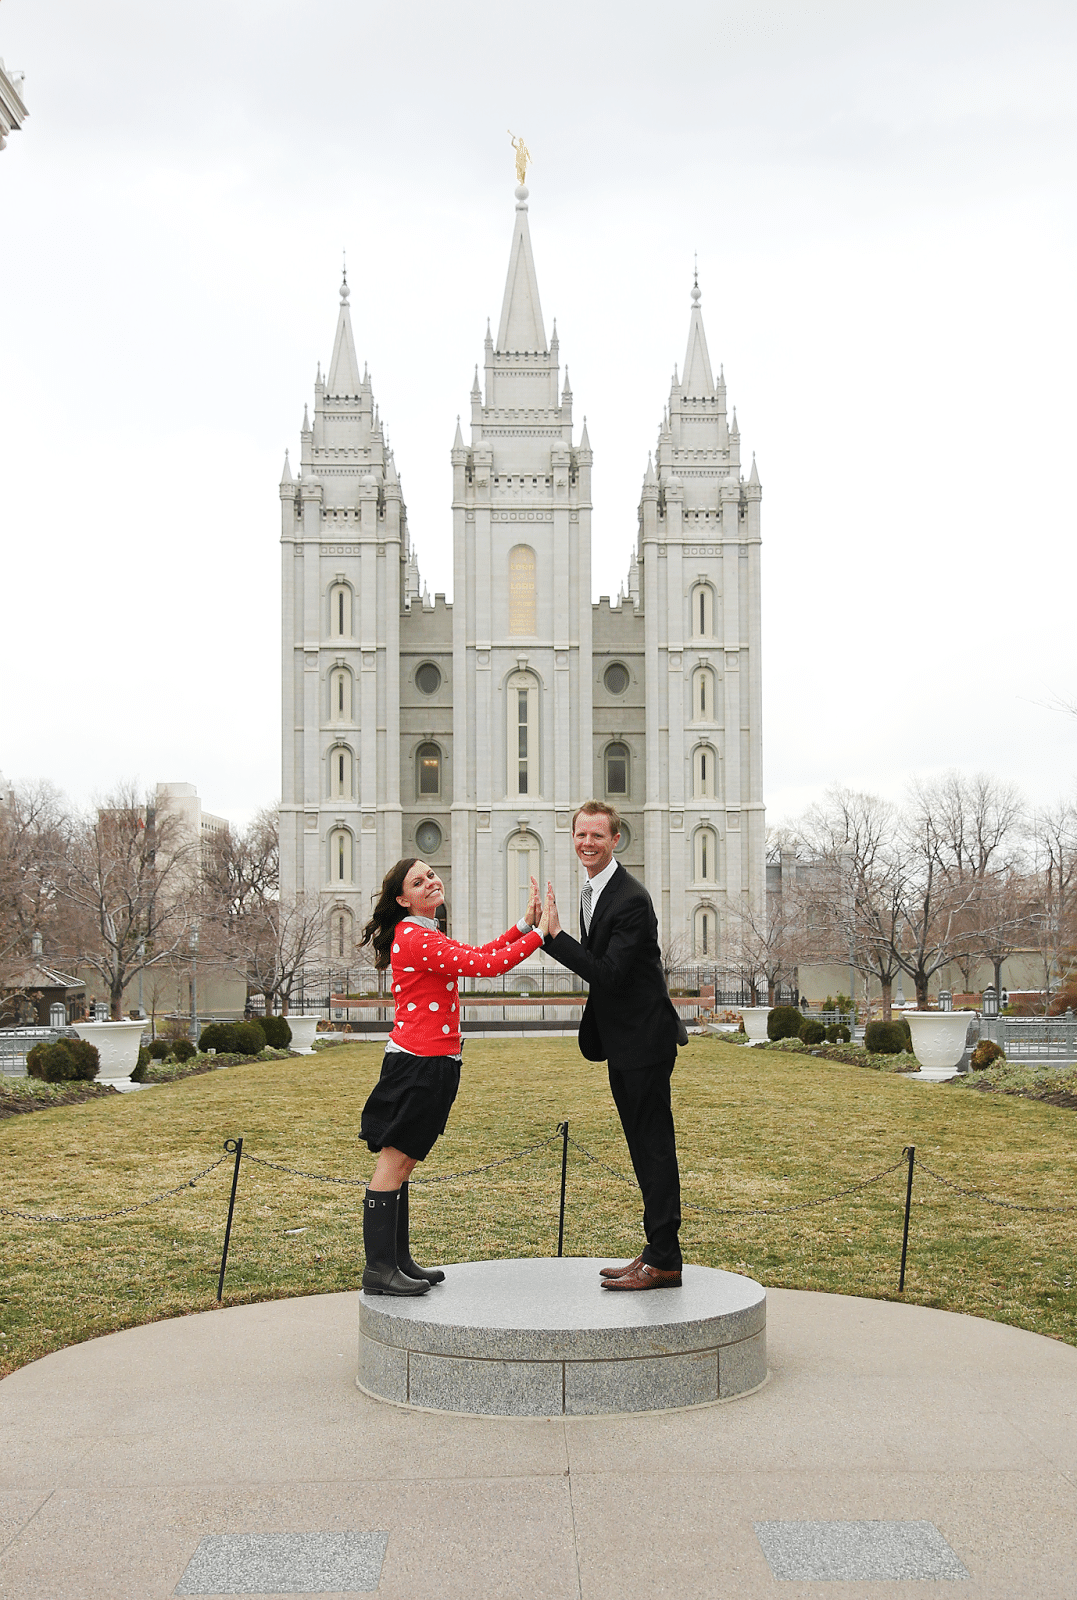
<point x="599" y="882"/>
<point x="424" y="922"/>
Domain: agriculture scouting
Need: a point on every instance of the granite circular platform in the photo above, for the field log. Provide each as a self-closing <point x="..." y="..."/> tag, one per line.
<point x="541" y="1338"/>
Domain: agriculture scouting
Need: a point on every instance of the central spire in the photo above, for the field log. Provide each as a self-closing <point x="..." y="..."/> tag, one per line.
<point x="521" y="326"/>
<point x="344" y="368"/>
<point x="698" y="381"/>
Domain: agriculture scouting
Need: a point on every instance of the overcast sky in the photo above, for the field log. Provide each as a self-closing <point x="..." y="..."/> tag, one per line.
<point x="881" y="199"/>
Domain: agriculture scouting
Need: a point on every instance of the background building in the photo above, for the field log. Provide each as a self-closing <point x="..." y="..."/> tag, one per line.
<point x="466" y="733"/>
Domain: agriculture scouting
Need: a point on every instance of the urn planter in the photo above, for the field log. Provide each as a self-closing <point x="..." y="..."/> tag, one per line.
<point x="303" y="1031"/>
<point x="755" y="1023"/>
<point x="938" y="1038"/>
<point x="117" y="1045"/>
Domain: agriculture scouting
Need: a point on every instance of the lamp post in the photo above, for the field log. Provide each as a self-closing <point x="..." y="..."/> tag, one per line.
<point x="192" y="945"/>
<point x="141" y="954"/>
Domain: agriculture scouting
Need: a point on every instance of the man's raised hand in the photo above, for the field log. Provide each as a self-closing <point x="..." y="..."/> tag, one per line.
<point x="549" y="914"/>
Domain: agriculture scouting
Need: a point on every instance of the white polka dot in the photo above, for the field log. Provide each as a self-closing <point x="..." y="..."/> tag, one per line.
<point x="434" y="1006"/>
<point x="411" y="1005"/>
<point x="445" y="1027"/>
<point x="396" y="949"/>
<point x="452" y="1007"/>
<point x="399" y="987"/>
<point x="409" y="969"/>
<point x="449" y="987"/>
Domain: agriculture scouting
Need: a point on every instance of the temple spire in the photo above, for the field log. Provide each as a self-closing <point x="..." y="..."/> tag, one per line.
<point x="521" y="326"/>
<point x="344" y="368"/>
<point x="698" y="382"/>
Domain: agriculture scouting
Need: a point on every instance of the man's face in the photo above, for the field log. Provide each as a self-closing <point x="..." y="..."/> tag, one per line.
<point x="594" y="841"/>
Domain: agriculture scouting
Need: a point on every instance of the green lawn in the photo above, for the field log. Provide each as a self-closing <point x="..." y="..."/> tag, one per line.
<point x="756" y="1129"/>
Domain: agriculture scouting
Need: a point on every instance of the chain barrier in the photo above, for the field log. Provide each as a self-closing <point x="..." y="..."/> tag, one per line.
<point x="769" y="1211"/>
<point x="124" y="1211"/>
<point x="978" y="1194"/>
<point x="441" y="1177"/>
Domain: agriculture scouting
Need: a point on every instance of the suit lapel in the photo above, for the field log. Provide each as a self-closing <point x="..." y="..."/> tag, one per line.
<point x="606" y="901"/>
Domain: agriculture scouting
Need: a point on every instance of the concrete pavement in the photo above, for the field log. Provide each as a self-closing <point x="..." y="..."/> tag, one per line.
<point x="887" y="1435"/>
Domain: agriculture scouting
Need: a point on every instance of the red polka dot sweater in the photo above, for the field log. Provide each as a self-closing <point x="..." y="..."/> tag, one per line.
<point x="426" y="967"/>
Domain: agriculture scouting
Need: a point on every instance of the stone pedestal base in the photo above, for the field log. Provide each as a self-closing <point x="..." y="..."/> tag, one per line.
<point x="541" y="1338"/>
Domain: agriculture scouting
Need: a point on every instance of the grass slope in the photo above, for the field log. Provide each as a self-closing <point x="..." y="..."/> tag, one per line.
<point x="756" y="1129"/>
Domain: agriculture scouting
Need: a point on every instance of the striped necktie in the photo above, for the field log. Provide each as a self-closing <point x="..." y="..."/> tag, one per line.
<point x="586" y="906"/>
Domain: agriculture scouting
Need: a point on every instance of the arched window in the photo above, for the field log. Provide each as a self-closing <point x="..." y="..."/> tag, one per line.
<point x="428" y="771"/>
<point x="341" y="933"/>
<point x="705" y="933"/>
<point x="706" y="856"/>
<point x="702" y="611"/>
<point x="523" y="776"/>
<point x="524" y="862"/>
<point x="704" y="772"/>
<point x="340" y="772"/>
<point x="340" y="856"/>
<point x="340" y="695"/>
<point x="522" y="601"/>
<point x="340" y="611"/>
<point x="703" y="704"/>
<point x="616" y="770"/>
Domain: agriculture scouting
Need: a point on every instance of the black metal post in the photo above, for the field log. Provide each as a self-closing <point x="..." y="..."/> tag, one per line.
<point x="562" y="1128"/>
<point x="237" y="1146"/>
<point x="910" y="1151"/>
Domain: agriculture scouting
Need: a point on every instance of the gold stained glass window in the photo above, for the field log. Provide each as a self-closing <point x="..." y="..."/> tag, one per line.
<point x="522" y="605"/>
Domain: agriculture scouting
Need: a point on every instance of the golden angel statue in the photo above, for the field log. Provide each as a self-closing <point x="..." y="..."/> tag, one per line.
<point x="523" y="156"/>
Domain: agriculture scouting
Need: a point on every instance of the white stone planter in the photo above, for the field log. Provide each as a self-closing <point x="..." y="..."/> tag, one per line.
<point x="303" y="1031"/>
<point x="755" y="1022"/>
<point x="116" y="1043"/>
<point x="938" y="1038"/>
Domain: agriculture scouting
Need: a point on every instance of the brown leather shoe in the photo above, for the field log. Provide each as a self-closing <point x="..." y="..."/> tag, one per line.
<point x="619" y="1272"/>
<point x="644" y="1277"/>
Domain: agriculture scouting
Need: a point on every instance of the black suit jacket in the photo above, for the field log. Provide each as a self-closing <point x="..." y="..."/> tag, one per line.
<point x="629" y="1019"/>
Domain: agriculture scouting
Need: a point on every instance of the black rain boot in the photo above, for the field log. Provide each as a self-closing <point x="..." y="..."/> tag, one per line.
<point x="381" y="1275"/>
<point x="403" y="1245"/>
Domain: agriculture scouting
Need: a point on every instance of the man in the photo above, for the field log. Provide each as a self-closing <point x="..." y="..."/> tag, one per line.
<point x="630" y="1023"/>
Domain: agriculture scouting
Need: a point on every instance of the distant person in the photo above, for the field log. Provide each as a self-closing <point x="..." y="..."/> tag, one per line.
<point x="629" y="1022"/>
<point x="408" y="1108"/>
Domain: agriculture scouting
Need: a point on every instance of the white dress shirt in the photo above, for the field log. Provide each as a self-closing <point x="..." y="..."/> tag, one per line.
<point x="599" y="882"/>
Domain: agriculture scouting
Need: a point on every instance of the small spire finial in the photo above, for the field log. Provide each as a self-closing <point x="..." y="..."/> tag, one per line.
<point x="695" y="280"/>
<point x="344" y="290"/>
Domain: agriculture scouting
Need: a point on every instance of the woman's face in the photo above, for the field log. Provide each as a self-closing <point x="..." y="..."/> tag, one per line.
<point x="423" y="891"/>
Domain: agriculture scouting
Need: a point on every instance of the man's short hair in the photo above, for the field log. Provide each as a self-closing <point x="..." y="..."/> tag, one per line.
<point x="598" y="808"/>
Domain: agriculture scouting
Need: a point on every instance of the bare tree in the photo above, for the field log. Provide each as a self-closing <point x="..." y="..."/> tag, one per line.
<point x="767" y="943"/>
<point x="127" y="879"/>
<point x="855" y="910"/>
<point x="1053" y="894"/>
<point x="32" y="826"/>
<point x="277" y="941"/>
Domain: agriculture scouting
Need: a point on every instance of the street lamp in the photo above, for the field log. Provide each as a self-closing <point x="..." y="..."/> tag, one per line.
<point x="192" y="945"/>
<point x="141" y="954"/>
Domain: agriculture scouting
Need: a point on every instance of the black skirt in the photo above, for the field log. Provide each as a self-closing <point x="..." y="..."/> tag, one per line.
<point x="409" y="1105"/>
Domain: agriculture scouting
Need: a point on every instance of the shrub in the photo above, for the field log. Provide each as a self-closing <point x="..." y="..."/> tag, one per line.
<point x="65" y="1061"/>
<point x="183" y="1050"/>
<point x="160" y="1048"/>
<point x="219" y="1036"/>
<point x="811" y="1031"/>
<point x="277" y="1032"/>
<point x="248" y="1038"/>
<point x="144" y="1059"/>
<point x="838" y="1033"/>
<point x="985" y="1054"/>
<point x="784" y="1023"/>
<point x="887" y="1038"/>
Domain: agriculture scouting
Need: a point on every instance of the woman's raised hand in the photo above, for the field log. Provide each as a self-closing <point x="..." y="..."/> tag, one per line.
<point x="534" y="905"/>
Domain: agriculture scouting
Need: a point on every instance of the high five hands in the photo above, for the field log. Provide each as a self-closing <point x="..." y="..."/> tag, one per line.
<point x="543" y="915"/>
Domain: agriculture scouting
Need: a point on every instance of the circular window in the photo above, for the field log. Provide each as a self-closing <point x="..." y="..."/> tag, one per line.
<point x="624" y="841"/>
<point x="428" y="837"/>
<point x="615" y="678"/>
<point x="428" y="678"/>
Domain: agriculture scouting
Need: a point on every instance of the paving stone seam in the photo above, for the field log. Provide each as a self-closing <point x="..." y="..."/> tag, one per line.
<point x="17" y="1535"/>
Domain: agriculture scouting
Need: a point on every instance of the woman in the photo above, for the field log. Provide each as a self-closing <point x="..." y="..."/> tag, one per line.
<point x="409" y="1106"/>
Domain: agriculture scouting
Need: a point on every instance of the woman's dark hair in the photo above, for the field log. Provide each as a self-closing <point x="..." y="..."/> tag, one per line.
<point x="387" y="913"/>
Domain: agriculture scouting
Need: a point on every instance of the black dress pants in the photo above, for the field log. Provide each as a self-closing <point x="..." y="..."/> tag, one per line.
<point x="642" y="1098"/>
